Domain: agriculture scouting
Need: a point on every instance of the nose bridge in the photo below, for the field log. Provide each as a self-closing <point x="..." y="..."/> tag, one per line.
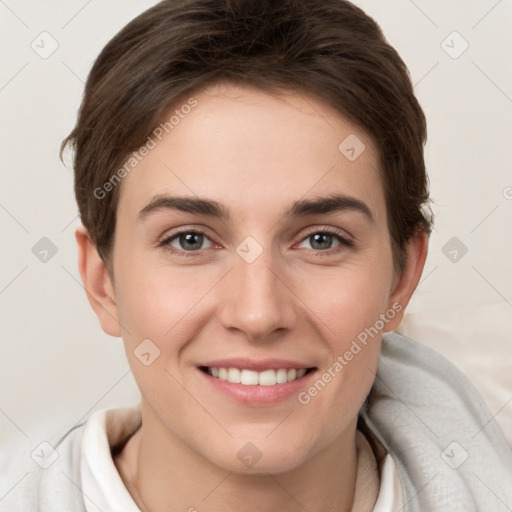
<point x="257" y="300"/>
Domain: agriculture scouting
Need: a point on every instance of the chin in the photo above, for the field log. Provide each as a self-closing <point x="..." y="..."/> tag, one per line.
<point x="260" y="456"/>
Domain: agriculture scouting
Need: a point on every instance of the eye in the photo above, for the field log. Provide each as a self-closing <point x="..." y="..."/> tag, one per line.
<point x="191" y="242"/>
<point x="187" y="241"/>
<point x="321" y="242"/>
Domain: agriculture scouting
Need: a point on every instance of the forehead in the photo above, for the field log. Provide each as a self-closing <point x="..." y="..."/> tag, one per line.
<point x="254" y="151"/>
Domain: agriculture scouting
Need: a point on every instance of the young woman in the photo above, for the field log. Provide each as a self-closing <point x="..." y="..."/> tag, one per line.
<point x="252" y="188"/>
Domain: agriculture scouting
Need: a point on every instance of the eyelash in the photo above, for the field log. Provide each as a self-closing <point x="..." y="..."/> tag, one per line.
<point x="344" y="242"/>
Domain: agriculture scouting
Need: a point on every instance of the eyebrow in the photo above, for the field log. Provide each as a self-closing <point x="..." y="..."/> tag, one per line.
<point x="306" y="207"/>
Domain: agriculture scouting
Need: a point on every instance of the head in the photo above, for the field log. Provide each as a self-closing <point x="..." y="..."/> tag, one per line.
<point x="251" y="183"/>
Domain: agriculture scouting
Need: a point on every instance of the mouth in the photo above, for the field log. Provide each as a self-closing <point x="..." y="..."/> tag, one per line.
<point x="256" y="382"/>
<point x="249" y="377"/>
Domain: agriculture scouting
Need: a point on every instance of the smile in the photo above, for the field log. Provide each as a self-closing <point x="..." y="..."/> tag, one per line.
<point x="246" y="377"/>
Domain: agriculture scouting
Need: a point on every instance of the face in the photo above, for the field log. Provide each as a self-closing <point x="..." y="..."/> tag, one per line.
<point x="279" y="260"/>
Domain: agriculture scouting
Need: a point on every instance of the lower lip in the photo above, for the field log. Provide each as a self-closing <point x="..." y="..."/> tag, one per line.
<point x="258" y="395"/>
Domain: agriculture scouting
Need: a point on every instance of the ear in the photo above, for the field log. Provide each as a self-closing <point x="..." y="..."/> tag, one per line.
<point x="96" y="280"/>
<point x="407" y="281"/>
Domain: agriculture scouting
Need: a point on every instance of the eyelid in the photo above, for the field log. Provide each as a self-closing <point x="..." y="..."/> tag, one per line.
<point x="330" y="230"/>
<point x="172" y="233"/>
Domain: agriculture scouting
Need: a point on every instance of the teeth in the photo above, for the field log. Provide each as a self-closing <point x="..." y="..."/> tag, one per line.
<point x="234" y="375"/>
<point x="267" y="378"/>
<point x="253" y="378"/>
<point x="301" y="372"/>
<point x="282" y="376"/>
<point x="248" y="377"/>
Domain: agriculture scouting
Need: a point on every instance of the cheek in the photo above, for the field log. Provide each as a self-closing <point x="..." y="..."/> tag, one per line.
<point x="348" y="300"/>
<point x="162" y="310"/>
<point x="154" y="298"/>
<point x="352" y="307"/>
<point x="353" y="342"/>
<point x="156" y="307"/>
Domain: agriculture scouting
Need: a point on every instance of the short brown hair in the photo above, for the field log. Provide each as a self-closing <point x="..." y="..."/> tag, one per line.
<point x="328" y="48"/>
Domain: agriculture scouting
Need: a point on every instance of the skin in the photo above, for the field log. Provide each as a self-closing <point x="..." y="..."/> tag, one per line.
<point x="256" y="154"/>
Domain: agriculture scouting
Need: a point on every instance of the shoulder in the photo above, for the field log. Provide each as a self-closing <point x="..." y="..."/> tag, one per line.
<point x="44" y="477"/>
<point x="438" y="429"/>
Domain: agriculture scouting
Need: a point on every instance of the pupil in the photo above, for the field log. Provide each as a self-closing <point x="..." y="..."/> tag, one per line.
<point x="191" y="240"/>
<point x="318" y="238"/>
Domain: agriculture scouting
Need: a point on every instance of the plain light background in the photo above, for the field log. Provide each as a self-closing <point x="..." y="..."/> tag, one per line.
<point x="56" y="364"/>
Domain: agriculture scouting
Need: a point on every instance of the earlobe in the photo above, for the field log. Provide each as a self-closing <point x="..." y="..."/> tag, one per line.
<point x="417" y="249"/>
<point x="97" y="283"/>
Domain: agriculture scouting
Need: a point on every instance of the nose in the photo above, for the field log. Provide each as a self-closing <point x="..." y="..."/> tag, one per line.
<point x="257" y="299"/>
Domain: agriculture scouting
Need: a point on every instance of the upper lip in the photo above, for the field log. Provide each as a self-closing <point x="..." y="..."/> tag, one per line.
<point x="245" y="363"/>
